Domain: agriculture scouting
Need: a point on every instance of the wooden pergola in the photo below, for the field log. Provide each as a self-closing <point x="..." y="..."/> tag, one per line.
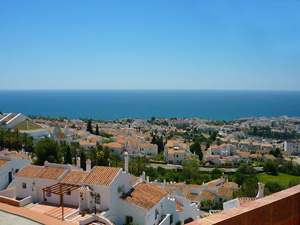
<point x="60" y="189"/>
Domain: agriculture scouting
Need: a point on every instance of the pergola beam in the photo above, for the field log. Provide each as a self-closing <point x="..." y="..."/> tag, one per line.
<point x="60" y="189"/>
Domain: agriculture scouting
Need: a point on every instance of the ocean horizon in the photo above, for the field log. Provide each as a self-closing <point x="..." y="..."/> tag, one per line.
<point x="143" y="104"/>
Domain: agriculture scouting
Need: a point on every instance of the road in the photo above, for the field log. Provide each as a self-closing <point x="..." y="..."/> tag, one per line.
<point x="8" y="218"/>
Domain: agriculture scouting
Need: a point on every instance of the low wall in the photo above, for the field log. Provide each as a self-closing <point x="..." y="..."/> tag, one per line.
<point x="280" y="208"/>
<point x="9" y="201"/>
<point x="9" y="198"/>
<point x="25" y="201"/>
<point x="9" y="193"/>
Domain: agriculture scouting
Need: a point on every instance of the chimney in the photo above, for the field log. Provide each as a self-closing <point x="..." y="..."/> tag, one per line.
<point x="147" y="179"/>
<point x="164" y="186"/>
<point x="78" y="162"/>
<point x="260" y="192"/>
<point x="144" y="177"/>
<point x="88" y="165"/>
<point x="126" y="157"/>
<point x="23" y="153"/>
<point x="226" y="180"/>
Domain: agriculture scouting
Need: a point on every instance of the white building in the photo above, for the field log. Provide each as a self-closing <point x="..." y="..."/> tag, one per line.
<point x="292" y="146"/>
<point x="148" y="149"/>
<point x="9" y="166"/>
<point x="12" y="120"/>
<point x="108" y="189"/>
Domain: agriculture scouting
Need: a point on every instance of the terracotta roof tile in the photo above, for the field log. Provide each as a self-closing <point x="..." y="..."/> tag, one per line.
<point x="112" y="145"/>
<point x="60" y="135"/>
<point x="3" y="162"/>
<point x="75" y="177"/>
<point x="102" y="175"/>
<point x="206" y="194"/>
<point x="29" y="171"/>
<point x="52" y="173"/>
<point x="145" y="195"/>
<point x="225" y="192"/>
<point x="179" y="206"/>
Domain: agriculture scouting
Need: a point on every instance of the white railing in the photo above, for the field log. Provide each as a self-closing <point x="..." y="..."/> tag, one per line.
<point x="166" y="220"/>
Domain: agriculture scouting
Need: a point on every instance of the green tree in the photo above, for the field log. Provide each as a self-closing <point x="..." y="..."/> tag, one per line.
<point x="93" y="156"/>
<point x="190" y="169"/>
<point x="102" y="160"/>
<point x="47" y="150"/>
<point x="97" y="129"/>
<point x="140" y="164"/>
<point x="273" y="187"/>
<point x="82" y="159"/>
<point x="89" y="127"/>
<point x="68" y="157"/>
<point x="196" y="148"/>
<point x="239" y="178"/>
<point x="249" y="189"/>
<point x="115" y="160"/>
<point x="216" y="173"/>
<point x="271" y="167"/>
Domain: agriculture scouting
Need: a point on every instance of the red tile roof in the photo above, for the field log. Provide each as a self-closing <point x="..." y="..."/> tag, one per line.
<point x="102" y="175"/>
<point x="29" y="171"/>
<point x="145" y="195"/>
<point x="52" y="173"/>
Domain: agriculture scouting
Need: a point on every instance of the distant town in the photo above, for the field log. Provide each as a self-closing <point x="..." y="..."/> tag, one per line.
<point x="135" y="171"/>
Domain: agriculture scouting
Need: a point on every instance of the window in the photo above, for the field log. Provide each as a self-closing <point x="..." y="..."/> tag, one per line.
<point x="24" y="185"/>
<point x="156" y="213"/>
<point x="48" y="194"/>
<point x="97" y="199"/>
<point x="17" y="170"/>
<point x="171" y="219"/>
<point x="69" y="193"/>
<point x="129" y="219"/>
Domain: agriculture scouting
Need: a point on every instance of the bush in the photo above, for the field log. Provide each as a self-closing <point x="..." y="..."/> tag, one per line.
<point x="273" y="187"/>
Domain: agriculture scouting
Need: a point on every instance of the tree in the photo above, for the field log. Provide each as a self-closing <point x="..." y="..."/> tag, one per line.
<point x="152" y="118"/>
<point x="82" y="159"/>
<point x="139" y="164"/>
<point x="246" y="169"/>
<point x="249" y="189"/>
<point x="47" y="150"/>
<point x="239" y="178"/>
<point x="273" y="187"/>
<point x="89" y="127"/>
<point x="102" y="160"/>
<point x="68" y="157"/>
<point x="97" y="129"/>
<point x="190" y="169"/>
<point x="115" y="159"/>
<point x="196" y="148"/>
<point x="271" y="167"/>
<point x="216" y="173"/>
<point x="93" y="156"/>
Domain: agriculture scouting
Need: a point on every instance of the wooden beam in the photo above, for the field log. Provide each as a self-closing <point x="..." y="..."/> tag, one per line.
<point x="44" y="196"/>
<point x="62" y="204"/>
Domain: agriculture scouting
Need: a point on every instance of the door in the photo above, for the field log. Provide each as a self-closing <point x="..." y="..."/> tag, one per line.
<point x="9" y="177"/>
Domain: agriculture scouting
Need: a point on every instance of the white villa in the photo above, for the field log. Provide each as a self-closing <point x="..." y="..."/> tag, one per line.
<point x="108" y="189"/>
<point x="10" y="164"/>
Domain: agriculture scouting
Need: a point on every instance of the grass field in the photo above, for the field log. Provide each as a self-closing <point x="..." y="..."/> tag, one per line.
<point x="281" y="178"/>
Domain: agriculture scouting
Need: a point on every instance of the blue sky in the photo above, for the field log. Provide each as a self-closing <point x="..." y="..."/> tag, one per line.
<point x="244" y="45"/>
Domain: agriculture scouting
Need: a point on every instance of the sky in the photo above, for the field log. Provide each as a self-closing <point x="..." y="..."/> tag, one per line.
<point x="188" y="44"/>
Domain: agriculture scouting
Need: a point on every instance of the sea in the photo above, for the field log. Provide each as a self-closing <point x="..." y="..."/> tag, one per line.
<point x="143" y="104"/>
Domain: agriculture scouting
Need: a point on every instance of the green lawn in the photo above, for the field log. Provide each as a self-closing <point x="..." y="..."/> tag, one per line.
<point x="281" y="178"/>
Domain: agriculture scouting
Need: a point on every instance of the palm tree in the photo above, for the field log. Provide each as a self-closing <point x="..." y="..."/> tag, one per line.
<point x="93" y="156"/>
